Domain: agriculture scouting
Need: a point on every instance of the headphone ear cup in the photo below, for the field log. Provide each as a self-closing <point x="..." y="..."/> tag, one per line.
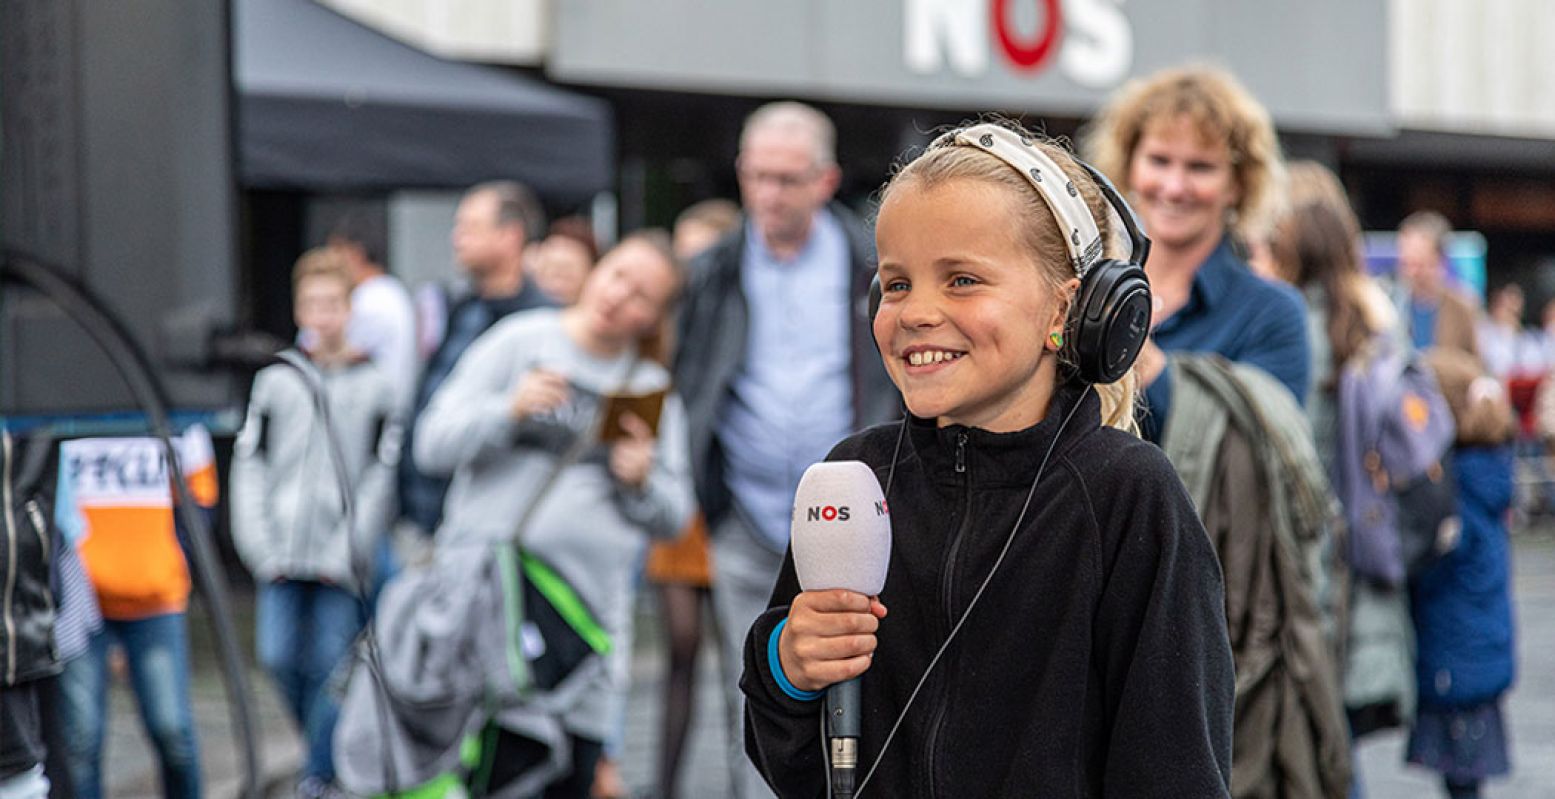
<point x="1111" y="320"/>
<point x="875" y="293"/>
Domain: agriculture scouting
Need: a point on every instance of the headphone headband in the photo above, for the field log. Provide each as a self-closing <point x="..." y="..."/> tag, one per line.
<point x="1083" y="239"/>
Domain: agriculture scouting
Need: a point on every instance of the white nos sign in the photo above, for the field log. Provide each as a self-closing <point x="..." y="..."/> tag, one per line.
<point x="1092" y="39"/>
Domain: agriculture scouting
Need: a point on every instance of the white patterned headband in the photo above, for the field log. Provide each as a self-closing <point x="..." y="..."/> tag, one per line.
<point x="1082" y="238"/>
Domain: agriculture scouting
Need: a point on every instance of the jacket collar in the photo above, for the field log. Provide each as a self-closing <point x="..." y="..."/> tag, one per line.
<point x="728" y="254"/>
<point x="1211" y="282"/>
<point x="1005" y="458"/>
<point x="357" y="359"/>
<point x="820" y="221"/>
<point x="1213" y="279"/>
<point x="528" y="296"/>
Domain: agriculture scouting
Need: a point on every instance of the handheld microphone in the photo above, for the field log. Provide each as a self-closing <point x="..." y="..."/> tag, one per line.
<point x="841" y="538"/>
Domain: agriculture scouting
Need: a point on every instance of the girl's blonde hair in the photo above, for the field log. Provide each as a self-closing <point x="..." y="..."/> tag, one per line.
<point x="945" y="161"/>
<point x="1219" y="108"/>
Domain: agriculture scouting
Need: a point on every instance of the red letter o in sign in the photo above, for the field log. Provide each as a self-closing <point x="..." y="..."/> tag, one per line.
<point x="1022" y="55"/>
<point x="829" y="513"/>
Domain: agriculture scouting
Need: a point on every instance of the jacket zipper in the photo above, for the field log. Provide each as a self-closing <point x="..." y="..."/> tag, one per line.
<point x="308" y="502"/>
<point x="35" y="513"/>
<point x="306" y="499"/>
<point x="947" y="592"/>
<point x="10" y="563"/>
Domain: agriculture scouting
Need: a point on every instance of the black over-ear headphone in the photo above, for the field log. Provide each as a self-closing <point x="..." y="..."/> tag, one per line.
<point x="1110" y="318"/>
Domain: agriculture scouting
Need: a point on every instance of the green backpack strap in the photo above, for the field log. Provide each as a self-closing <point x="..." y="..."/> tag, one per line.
<point x="519" y="567"/>
<point x="556" y="589"/>
<point x="513" y="617"/>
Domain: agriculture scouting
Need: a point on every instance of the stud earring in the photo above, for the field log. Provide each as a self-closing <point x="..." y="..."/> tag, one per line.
<point x="1057" y="339"/>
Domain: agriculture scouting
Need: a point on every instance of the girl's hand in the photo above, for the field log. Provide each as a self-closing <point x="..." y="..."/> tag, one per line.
<point x="1152" y="361"/>
<point x="1150" y="364"/>
<point x="631" y="458"/>
<point x="538" y="392"/>
<point x="829" y="638"/>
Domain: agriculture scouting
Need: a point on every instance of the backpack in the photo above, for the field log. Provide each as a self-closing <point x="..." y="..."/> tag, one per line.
<point x="1392" y="470"/>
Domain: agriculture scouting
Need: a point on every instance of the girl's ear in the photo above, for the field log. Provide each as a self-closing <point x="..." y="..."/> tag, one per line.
<point x="1067" y="292"/>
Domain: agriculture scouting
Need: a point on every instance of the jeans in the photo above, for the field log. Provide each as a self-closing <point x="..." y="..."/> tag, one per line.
<point x="157" y="650"/>
<point x="304" y="630"/>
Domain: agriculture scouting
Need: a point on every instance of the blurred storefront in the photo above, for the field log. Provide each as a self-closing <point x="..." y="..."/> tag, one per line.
<point x="335" y="117"/>
<point x="1418" y="103"/>
<point x="1438" y="104"/>
<point x="681" y="74"/>
<point x="1472" y="93"/>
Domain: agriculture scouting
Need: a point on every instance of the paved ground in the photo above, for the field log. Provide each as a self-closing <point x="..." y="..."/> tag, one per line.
<point x="1530" y="708"/>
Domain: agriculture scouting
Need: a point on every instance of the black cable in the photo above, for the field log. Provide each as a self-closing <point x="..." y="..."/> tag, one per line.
<point x="315" y="384"/>
<point x="890" y="479"/>
<point x="134" y="367"/>
<point x="360" y="571"/>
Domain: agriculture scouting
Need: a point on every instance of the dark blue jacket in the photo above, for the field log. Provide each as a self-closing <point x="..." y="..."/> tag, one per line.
<point x="421" y="495"/>
<point x="1237" y="314"/>
<point x="1462" y="603"/>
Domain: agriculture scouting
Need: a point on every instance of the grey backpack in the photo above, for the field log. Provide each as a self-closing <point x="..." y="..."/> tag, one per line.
<point x="1392" y="472"/>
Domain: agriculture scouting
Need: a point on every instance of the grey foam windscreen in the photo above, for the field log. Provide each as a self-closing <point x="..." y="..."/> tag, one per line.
<point x="841" y="528"/>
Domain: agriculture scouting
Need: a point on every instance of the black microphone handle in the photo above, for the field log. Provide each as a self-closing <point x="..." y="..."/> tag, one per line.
<point x="843" y="717"/>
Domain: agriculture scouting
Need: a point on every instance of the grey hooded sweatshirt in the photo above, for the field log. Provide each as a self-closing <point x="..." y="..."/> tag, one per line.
<point x="589" y="527"/>
<point x="287" y="505"/>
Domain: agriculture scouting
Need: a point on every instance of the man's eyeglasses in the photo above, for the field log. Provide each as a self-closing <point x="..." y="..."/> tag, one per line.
<point x="783" y="180"/>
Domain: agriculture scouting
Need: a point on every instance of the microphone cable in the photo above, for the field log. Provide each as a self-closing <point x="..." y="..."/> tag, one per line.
<point x="954" y="630"/>
<point x="896" y="451"/>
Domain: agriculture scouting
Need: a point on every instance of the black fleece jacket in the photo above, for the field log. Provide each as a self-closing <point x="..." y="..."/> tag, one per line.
<point x="1097" y="662"/>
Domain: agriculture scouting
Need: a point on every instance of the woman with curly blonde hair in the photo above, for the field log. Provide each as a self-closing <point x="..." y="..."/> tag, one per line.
<point x="1198" y="157"/>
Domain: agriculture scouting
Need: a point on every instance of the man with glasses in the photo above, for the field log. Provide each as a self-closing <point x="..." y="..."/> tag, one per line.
<point x="776" y="364"/>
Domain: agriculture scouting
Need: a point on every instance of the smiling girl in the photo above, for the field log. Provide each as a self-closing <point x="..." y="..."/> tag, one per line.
<point x="1096" y="662"/>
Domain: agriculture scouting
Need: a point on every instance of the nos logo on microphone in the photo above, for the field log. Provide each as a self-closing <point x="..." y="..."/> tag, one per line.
<point x="838" y="513"/>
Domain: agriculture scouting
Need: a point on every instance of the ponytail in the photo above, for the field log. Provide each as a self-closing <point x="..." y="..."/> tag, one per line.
<point x="1118" y="403"/>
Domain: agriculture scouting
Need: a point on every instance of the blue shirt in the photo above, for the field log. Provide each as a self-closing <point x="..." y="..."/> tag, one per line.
<point x="1422" y="323"/>
<point x="1234" y="313"/>
<point x="792" y="398"/>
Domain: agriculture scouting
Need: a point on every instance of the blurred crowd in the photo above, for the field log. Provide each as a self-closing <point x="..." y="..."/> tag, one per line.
<point x="483" y="474"/>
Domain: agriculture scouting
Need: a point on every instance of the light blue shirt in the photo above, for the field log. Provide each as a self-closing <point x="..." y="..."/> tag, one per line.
<point x="792" y="399"/>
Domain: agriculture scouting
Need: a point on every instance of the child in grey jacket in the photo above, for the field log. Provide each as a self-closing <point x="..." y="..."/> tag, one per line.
<point x="312" y="563"/>
<point x="522" y="396"/>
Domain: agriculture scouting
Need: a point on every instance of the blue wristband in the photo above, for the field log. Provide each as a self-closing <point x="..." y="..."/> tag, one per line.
<point x="776" y="665"/>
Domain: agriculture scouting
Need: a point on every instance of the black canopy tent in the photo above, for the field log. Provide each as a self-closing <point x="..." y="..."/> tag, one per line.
<point x="325" y="103"/>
